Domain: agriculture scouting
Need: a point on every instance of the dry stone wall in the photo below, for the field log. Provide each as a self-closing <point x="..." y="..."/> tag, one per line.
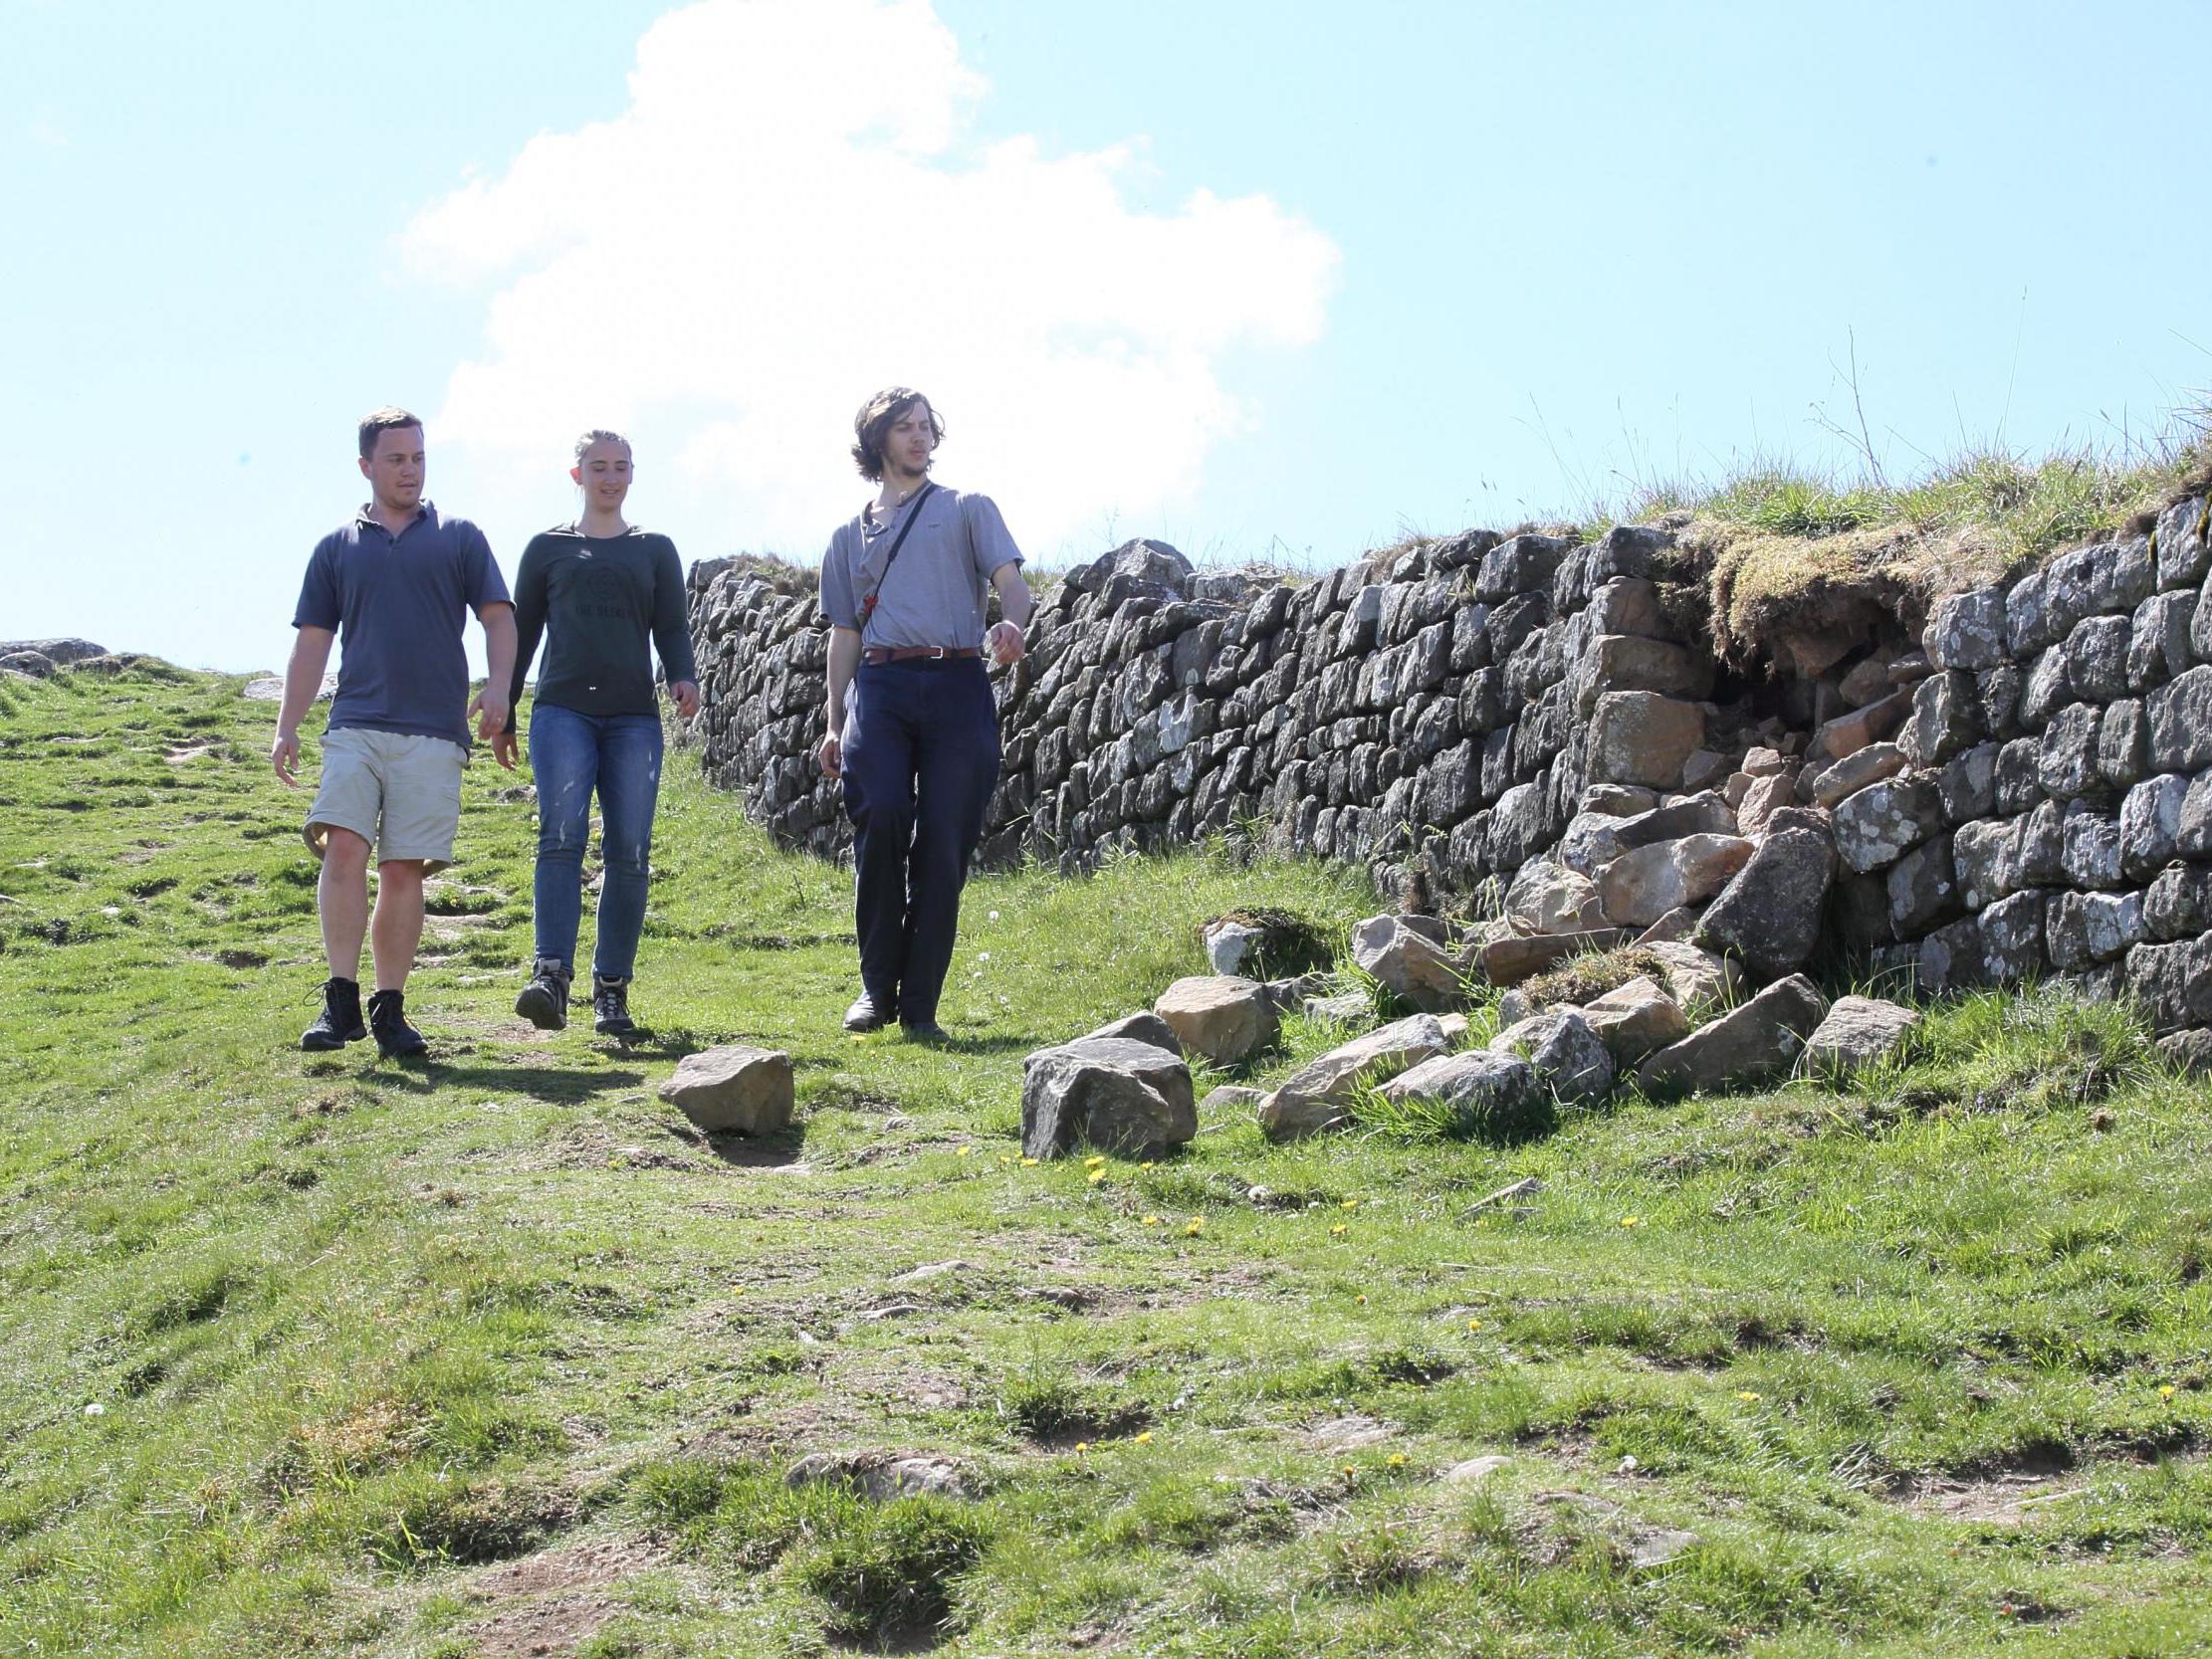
<point x="2022" y="788"/>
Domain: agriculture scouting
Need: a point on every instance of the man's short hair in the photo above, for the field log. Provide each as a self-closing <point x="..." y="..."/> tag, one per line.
<point x="387" y="419"/>
<point x="876" y="419"/>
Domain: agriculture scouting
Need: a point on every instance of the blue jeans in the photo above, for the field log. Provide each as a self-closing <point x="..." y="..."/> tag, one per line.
<point x="921" y="758"/>
<point x="571" y="755"/>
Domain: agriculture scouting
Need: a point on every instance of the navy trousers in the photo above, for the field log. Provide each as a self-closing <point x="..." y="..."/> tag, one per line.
<point x="921" y="758"/>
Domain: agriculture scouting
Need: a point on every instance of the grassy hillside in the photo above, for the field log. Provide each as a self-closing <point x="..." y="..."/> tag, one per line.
<point x="306" y="1355"/>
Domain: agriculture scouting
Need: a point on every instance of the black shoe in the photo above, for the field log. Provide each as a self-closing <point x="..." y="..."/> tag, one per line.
<point x="388" y="1018"/>
<point x="867" y="1014"/>
<point x="610" y="1006"/>
<point x="340" y="1022"/>
<point x="545" y="1000"/>
<point x="926" y="1032"/>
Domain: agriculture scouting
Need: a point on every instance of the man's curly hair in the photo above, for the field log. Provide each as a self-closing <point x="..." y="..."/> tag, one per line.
<point x="876" y="419"/>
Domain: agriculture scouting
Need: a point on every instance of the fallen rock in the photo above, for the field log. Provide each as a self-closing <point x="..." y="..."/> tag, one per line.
<point x="1640" y="887"/>
<point x="1407" y="964"/>
<point x="881" y="1478"/>
<point x="1346" y="1007"/>
<point x="1696" y="979"/>
<point x="1636" y="1020"/>
<point x="1508" y="962"/>
<point x="2188" y="1052"/>
<point x="1643" y="738"/>
<point x="1565" y="1050"/>
<point x="1231" y="1100"/>
<point x="1475" y="1469"/>
<point x="1768" y="916"/>
<point x="1494" y="1097"/>
<point x="1678" y="923"/>
<point x="733" y="1090"/>
<point x="1548" y="897"/>
<point x="1857" y="1031"/>
<point x="1229" y="943"/>
<point x="1756" y="1043"/>
<point x="1222" y="1016"/>
<point x="1143" y="1027"/>
<point x="1862" y="770"/>
<point x="1314" y="1098"/>
<point x="1111" y="1093"/>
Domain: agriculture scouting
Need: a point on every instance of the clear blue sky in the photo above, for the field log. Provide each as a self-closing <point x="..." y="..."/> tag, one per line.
<point x="1569" y="246"/>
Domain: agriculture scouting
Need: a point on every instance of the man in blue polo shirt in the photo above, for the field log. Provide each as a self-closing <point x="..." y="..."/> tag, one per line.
<point x="394" y="587"/>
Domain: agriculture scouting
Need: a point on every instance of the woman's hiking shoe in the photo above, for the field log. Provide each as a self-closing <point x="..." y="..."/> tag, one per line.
<point x="387" y="1021"/>
<point x="610" y="1007"/>
<point x="867" y="1014"/>
<point x="340" y="1022"/>
<point x="545" y="1000"/>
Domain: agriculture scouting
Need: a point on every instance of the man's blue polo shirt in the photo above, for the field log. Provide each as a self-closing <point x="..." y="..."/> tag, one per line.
<point x="399" y="605"/>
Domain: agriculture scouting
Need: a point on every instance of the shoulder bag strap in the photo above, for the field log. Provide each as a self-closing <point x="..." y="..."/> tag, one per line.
<point x="913" y="513"/>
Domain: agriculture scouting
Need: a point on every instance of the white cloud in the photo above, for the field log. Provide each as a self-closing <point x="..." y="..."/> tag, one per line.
<point x="790" y="214"/>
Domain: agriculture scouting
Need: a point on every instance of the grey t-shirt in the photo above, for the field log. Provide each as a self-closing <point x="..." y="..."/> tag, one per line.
<point x="938" y="587"/>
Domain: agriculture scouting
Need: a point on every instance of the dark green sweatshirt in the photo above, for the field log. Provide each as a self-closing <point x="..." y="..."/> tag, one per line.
<point x="600" y="597"/>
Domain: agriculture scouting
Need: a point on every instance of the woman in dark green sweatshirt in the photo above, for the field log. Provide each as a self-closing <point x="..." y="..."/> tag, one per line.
<point x="597" y="590"/>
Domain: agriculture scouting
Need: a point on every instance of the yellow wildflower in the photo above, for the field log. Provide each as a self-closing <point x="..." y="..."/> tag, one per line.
<point x="1747" y="1394"/>
<point x="1196" y="1227"/>
<point x="1145" y="1438"/>
<point x="1350" y="1204"/>
<point x="2165" y="1390"/>
<point x="1337" y="1231"/>
<point x="965" y="1152"/>
<point x="1095" y="1176"/>
<point x="1151" y="1221"/>
<point x="1397" y="1460"/>
<point x="1631" y="1221"/>
<point x="1474" y="1325"/>
<point x="1094" y="1161"/>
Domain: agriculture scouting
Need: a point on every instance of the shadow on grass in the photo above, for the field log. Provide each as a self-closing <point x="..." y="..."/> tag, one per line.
<point x="557" y="1085"/>
<point x="741" y="1152"/>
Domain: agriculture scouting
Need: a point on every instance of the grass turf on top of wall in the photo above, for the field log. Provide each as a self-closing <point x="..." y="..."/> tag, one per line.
<point x="456" y="1358"/>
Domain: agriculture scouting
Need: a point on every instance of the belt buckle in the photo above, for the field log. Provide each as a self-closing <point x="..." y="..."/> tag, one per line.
<point x="939" y="653"/>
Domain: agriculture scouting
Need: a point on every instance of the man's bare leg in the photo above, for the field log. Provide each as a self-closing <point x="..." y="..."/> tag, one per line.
<point x="397" y="930"/>
<point x="342" y="899"/>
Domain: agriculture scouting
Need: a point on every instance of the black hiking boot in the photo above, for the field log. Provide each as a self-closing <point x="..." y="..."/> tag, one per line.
<point x="925" y="1031"/>
<point x="545" y="1000"/>
<point x="867" y="1014"/>
<point x="388" y="1018"/>
<point x="340" y="1022"/>
<point x="610" y="1006"/>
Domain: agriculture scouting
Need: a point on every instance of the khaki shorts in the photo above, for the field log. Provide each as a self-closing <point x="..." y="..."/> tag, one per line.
<point x="400" y="793"/>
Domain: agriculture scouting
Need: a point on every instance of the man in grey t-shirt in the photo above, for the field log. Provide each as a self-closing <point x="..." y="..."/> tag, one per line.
<point x="913" y="728"/>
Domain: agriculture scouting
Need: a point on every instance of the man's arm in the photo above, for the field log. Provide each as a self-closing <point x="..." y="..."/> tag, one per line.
<point x="489" y="706"/>
<point x="844" y="661"/>
<point x="303" y="678"/>
<point x="1015" y="605"/>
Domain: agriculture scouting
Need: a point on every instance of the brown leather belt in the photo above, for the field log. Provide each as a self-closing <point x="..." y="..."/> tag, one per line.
<point x="909" y="653"/>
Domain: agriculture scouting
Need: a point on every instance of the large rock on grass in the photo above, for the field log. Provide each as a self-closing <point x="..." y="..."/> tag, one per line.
<point x="1694" y="979"/>
<point x="733" y="1090"/>
<point x="1142" y="1027"/>
<point x="1222" y="1016"/>
<point x="1408" y="963"/>
<point x="1111" y="1093"/>
<point x="1565" y="1052"/>
<point x="1492" y="1096"/>
<point x="1755" y="1043"/>
<point x="1857" y="1031"/>
<point x="1768" y="916"/>
<point x="1317" y="1095"/>
<point x="1636" y="1019"/>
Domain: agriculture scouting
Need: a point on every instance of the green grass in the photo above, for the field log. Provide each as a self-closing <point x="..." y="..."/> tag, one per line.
<point x="1925" y="1360"/>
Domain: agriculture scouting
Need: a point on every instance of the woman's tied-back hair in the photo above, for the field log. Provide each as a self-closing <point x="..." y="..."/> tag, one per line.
<point x="387" y="419"/>
<point x="876" y="419"/>
<point x="599" y="435"/>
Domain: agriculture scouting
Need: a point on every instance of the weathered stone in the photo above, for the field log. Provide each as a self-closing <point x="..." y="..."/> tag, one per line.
<point x="2083" y="929"/>
<point x="2047" y="689"/>
<point x="1643" y="738"/>
<point x="1110" y="1093"/>
<point x="1617" y="800"/>
<point x="1923" y="888"/>
<point x="2123" y="744"/>
<point x="1407" y="964"/>
<point x="2019" y="781"/>
<point x="877" y="1478"/>
<point x="2027" y="627"/>
<point x="2068" y="766"/>
<point x="1231" y="1100"/>
<point x="733" y="1090"/>
<point x="2037" y="848"/>
<point x="1702" y="813"/>
<point x="1521" y="826"/>
<point x="1229" y="943"/>
<point x="1520" y="565"/>
<point x="2172" y="983"/>
<point x="1861" y="770"/>
<point x="1704" y="769"/>
<point x="1969" y="632"/>
<point x="1592" y="841"/>
<point x="1565" y="1050"/>
<point x="2159" y="646"/>
<point x="1968" y="784"/>
<point x="2178" y="902"/>
<point x="2184" y="549"/>
<point x="1681" y="922"/>
<point x="1946" y="718"/>
<point x="1497" y="1097"/>
<point x="2000" y="690"/>
<point x="2096" y="658"/>
<point x="2089" y="851"/>
<point x="2193" y="835"/>
<point x="1316" y="1096"/>
<point x="1765" y="798"/>
<point x="1696" y="979"/>
<point x="1768" y="916"/>
<point x="1346" y="1007"/>
<point x="2150" y="825"/>
<point x="1640" y="887"/>
<point x="2188" y="1052"/>
<point x="1548" y="897"/>
<point x="1144" y="1028"/>
<point x="1880" y="825"/>
<point x="1980" y="852"/>
<point x="1857" y="1031"/>
<point x="1847" y="733"/>
<point x="1508" y="962"/>
<point x="2181" y="714"/>
<point x="1636" y="1019"/>
<point x="2012" y="940"/>
<point x="1222" y="1016"/>
<point x="1755" y="1043"/>
<point x="1633" y="663"/>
